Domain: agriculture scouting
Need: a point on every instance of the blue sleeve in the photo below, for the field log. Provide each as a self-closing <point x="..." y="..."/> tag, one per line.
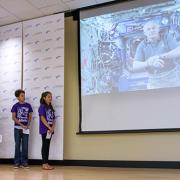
<point x="14" y="109"/>
<point x="139" y="56"/>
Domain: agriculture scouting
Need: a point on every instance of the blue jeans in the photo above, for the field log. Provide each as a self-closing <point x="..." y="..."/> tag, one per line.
<point x="21" y="147"/>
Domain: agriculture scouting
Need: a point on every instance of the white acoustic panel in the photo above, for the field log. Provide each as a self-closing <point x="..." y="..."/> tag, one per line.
<point x="10" y="80"/>
<point x="74" y="4"/>
<point x="43" y="3"/>
<point x="4" y="13"/>
<point x="21" y="9"/>
<point x="54" y="9"/>
<point x="44" y="71"/>
<point x="17" y="10"/>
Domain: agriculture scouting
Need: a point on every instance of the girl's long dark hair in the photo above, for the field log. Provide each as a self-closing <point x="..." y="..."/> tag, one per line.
<point x="42" y="101"/>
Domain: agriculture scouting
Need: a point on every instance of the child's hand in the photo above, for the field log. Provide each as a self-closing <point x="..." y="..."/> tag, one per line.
<point x="51" y="130"/>
<point x="24" y="127"/>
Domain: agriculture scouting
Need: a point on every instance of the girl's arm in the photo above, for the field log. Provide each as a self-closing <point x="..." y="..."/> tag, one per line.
<point x="17" y="121"/>
<point x="43" y="119"/>
<point x="53" y="126"/>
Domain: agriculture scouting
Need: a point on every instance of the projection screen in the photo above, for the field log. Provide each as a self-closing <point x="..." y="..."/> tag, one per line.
<point x="130" y="66"/>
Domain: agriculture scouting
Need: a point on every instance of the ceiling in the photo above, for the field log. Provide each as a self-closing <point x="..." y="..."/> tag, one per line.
<point x="17" y="10"/>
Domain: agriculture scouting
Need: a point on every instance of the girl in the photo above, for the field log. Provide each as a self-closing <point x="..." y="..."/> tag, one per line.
<point x="46" y="126"/>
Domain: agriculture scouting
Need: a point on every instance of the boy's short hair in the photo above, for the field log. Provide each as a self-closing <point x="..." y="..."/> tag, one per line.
<point x="18" y="92"/>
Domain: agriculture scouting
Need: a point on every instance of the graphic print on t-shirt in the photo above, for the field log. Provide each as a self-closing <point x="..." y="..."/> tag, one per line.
<point x="22" y="114"/>
<point x="49" y="116"/>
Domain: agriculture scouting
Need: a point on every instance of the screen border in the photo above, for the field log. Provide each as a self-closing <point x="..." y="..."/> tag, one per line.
<point x="81" y="132"/>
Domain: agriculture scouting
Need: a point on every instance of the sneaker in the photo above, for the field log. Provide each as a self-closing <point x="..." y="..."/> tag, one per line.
<point x="25" y="166"/>
<point x="16" y="166"/>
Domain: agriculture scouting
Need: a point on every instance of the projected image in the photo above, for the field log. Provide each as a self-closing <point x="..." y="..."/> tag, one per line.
<point x="131" y="50"/>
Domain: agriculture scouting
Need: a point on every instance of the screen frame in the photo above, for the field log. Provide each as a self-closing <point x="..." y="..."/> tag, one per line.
<point x="81" y="132"/>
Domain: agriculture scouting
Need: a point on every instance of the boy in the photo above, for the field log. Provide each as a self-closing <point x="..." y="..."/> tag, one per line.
<point x="21" y="115"/>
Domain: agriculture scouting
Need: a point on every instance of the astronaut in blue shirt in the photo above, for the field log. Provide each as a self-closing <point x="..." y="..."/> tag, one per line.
<point x="157" y="54"/>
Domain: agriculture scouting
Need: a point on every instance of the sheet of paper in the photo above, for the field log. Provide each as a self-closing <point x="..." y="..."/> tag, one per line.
<point x="48" y="136"/>
<point x="25" y="131"/>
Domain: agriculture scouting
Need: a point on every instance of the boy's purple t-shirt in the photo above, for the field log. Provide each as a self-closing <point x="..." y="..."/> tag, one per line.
<point x="48" y="114"/>
<point x="22" y="112"/>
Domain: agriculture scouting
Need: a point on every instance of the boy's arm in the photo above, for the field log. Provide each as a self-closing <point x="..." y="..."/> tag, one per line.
<point x="29" y="119"/>
<point x="17" y="121"/>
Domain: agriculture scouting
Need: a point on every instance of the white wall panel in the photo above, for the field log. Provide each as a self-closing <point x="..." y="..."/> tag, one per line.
<point x="10" y="80"/>
<point x="44" y="71"/>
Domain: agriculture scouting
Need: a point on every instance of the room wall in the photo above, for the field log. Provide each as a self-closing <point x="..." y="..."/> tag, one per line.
<point x="135" y="146"/>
